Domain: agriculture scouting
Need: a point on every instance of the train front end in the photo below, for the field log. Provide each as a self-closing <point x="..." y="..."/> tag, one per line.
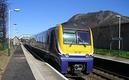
<point x="76" y="49"/>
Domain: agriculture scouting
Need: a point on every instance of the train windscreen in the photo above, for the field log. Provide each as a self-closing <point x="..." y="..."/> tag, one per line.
<point x="69" y="37"/>
<point x="76" y="37"/>
<point x="83" y="37"/>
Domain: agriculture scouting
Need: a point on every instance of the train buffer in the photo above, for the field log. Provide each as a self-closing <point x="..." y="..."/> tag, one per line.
<point x="23" y="66"/>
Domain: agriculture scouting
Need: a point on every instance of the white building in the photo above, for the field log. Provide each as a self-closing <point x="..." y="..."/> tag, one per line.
<point x="16" y="41"/>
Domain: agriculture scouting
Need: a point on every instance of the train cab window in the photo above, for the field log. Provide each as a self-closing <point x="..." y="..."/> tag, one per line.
<point x="83" y="37"/>
<point x="76" y="37"/>
<point x="69" y="37"/>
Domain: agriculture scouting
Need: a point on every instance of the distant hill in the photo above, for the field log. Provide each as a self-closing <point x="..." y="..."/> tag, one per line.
<point x="101" y="18"/>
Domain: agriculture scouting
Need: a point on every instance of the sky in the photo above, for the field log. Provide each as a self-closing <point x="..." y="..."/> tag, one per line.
<point x="39" y="15"/>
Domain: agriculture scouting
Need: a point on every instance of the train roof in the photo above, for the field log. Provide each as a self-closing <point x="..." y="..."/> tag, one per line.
<point x="68" y="25"/>
<point x="74" y="26"/>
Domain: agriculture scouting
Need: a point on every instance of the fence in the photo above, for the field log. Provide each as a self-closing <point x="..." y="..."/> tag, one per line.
<point x="105" y="37"/>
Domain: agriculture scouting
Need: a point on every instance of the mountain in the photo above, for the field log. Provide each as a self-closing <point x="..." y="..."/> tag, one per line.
<point x="94" y="19"/>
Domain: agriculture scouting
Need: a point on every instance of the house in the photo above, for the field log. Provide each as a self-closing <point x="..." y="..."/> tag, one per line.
<point x="16" y="41"/>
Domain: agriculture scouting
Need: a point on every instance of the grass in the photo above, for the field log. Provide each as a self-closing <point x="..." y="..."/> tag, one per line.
<point x="4" y="51"/>
<point x="3" y="59"/>
<point x="116" y="53"/>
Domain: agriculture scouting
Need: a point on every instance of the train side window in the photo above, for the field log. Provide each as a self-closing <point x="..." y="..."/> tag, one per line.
<point x="47" y="39"/>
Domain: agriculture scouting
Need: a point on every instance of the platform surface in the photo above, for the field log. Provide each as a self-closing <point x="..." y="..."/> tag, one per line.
<point x="18" y="68"/>
<point x="117" y="59"/>
<point x="23" y="66"/>
<point x="42" y="70"/>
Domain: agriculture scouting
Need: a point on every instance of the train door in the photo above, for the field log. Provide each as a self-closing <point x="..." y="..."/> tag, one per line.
<point x="52" y="47"/>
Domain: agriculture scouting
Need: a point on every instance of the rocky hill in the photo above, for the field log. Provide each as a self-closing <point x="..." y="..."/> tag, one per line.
<point x="101" y="18"/>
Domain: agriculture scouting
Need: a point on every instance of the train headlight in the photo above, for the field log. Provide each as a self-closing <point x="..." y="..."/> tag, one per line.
<point x="91" y="55"/>
<point x="87" y="55"/>
<point x="66" y="55"/>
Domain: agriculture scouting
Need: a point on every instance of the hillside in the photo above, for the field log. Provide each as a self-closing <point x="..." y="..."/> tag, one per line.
<point x="101" y="18"/>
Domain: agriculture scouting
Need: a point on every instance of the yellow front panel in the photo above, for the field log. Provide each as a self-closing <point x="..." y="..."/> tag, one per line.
<point x="73" y="49"/>
<point x="76" y="49"/>
<point x="60" y="37"/>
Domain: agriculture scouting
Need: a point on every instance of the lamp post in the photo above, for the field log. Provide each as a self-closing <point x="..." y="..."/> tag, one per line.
<point x="15" y="31"/>
<point x="119" y="31"/>
<point x="9" y="15"/>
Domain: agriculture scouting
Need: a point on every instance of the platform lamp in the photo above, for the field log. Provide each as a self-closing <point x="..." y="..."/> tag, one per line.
<point x="14" y="29"/>
<point x="119" y="31"/>
<point x="9" y="16"/>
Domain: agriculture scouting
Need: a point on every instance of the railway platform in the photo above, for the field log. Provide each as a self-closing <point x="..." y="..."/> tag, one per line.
<point x="113" y="65"/>
<point x="115" y="59"/>
<point x="41" y="69"/>
<point x="18" y="68"/>
<point x="23" y="66"/>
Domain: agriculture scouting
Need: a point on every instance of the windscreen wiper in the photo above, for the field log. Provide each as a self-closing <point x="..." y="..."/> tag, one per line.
<point x="71" y="43"/>
<point x="82" y="41"/>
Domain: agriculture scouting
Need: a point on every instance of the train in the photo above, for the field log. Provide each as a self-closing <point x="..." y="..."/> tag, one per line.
<point x="70" y="46"/>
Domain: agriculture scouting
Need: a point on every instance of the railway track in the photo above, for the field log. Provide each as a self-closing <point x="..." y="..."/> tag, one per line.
<point x="97" y="74"/>
<point x="102" y="75"/>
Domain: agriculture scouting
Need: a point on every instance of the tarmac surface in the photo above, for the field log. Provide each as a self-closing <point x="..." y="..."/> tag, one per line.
<point x="18" y="68"/>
